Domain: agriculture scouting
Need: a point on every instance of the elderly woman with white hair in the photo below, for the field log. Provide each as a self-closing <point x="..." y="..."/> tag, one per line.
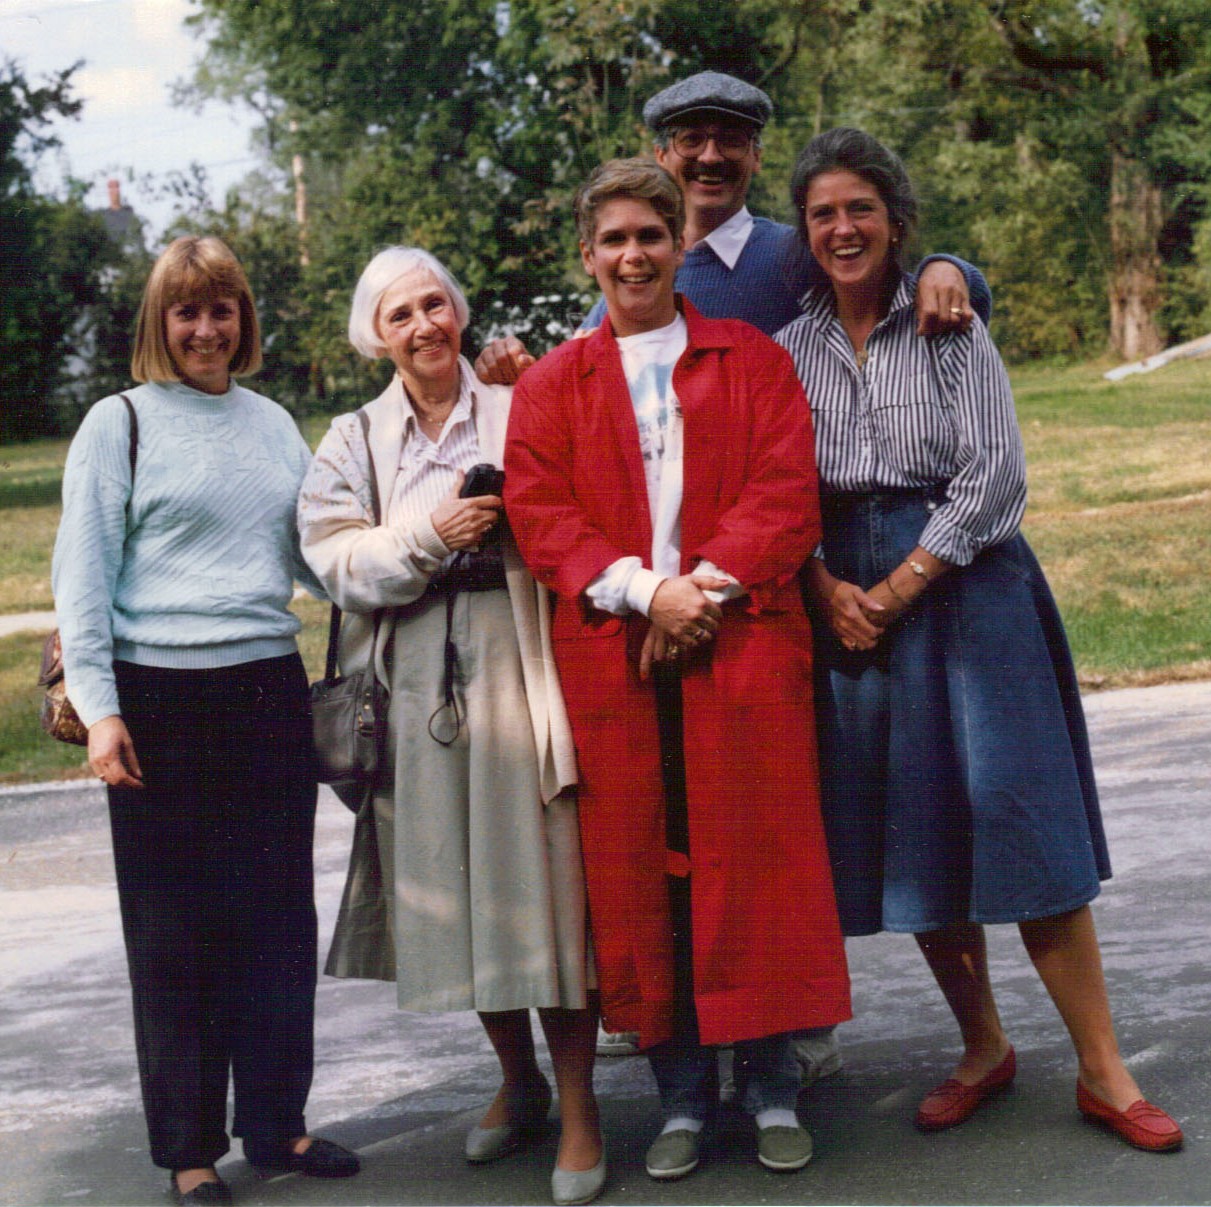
<point x="465" y="884"/>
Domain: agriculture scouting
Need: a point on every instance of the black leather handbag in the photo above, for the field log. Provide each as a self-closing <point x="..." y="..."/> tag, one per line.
<point x="349" y="712"/>
<point x="348" y="724"/>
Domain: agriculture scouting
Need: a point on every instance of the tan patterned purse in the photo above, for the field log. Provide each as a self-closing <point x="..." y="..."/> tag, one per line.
<point x="59" y="717"/>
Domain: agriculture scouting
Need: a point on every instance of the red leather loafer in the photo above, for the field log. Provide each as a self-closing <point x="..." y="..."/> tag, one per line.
<point x="1142" y="1124"/>
<point x="950" y="1103"/>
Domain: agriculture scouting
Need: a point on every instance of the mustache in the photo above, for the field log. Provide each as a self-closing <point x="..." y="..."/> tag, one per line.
<point x="726" y="171"/>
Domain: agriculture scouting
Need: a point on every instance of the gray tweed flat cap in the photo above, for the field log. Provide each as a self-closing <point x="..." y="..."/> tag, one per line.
<point x="708" y="90"/>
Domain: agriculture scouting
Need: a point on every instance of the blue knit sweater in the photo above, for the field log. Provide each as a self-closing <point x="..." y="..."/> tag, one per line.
<point x="773" y="272"/>
<point x="202" y="572"/>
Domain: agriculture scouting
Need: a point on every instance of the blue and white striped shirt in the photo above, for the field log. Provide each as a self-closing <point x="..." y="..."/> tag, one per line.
<point x="919" y="412"/>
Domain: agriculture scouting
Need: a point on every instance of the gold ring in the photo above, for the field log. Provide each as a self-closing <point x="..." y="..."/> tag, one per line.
<point x="675" y="651"/>
<point x="956" y="310"/>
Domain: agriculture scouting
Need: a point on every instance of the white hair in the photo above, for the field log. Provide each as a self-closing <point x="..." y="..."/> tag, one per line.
<point x="378" y="276"/>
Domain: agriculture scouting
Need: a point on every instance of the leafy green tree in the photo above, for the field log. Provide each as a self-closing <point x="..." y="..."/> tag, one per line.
<point x="53" y="253"/>
<point x="1060" y="144"/>
<point x="1065" y="141"/>
<point x="465" y="126"/>
<point x="1131" y="70"/>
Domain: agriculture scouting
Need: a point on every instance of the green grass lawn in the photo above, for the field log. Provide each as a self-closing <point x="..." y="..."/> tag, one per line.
<point x="1119" y="515"/>
<point x="30" y="474"/>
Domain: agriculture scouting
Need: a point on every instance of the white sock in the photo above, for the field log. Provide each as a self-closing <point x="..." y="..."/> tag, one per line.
<point x="777" y="1118"/>
<point x="682" y="1123"/>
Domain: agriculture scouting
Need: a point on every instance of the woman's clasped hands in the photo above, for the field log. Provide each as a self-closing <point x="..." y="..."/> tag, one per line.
<point x="683" y="617"/>
<point x="858" y="618"/>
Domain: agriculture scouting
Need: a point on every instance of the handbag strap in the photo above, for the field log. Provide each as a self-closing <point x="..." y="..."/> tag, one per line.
<point x="334" y="640"/>
<point x="134" y="444"/>
<point x="334" y="619"/>
<point x="135" y="432"/>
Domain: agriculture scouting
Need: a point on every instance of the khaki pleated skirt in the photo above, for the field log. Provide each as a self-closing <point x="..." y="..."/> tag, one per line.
<point x="489" y="909"/>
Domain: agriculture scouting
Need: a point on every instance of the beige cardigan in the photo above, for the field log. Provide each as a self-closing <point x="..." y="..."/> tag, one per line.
<point x="364" y="567"/>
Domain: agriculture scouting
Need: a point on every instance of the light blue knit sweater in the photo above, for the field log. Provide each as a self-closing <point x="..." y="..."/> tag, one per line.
<point x="202" y="572"/>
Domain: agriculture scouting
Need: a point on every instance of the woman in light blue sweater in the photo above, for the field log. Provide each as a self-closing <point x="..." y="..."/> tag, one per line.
<point x="173" y="570"/>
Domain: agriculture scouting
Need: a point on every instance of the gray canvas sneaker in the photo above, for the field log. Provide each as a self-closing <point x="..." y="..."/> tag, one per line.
<point x="673" y="1155"/>
<point x="783" y="1149"/>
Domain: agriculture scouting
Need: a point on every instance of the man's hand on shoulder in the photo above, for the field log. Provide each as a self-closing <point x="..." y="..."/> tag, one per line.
<point x="502" y="362"/>
<point x="943" y="301"/>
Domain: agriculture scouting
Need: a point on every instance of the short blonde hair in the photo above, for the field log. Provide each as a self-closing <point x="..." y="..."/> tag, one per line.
<point x="639" y="179"/>
<point x="194" y="268"/>
<point x="378" y="276"/>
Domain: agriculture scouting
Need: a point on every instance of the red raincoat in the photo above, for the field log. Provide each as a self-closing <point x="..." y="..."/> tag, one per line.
<point x="767" y="948"/>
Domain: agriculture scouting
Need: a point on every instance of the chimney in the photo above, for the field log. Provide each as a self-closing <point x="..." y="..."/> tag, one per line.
<point x="115" y="195"/>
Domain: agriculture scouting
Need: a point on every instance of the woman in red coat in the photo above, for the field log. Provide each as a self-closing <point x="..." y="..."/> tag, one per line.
<point x="660" y="479"/>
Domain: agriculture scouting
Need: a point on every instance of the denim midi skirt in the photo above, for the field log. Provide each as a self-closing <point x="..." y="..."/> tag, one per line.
<point x="956" y="779"/>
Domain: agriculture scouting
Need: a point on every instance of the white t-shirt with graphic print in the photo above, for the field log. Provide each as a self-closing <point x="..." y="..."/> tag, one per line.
<point x="648" y="360"/>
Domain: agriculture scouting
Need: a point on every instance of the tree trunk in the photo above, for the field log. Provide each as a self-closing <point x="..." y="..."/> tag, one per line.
<point x="1135" y="226"/>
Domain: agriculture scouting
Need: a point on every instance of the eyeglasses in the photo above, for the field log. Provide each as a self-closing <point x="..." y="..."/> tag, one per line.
<point x="730" y="142"/>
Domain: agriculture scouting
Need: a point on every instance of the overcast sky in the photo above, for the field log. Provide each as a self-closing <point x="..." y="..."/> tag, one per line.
<point x="133" y="50"/>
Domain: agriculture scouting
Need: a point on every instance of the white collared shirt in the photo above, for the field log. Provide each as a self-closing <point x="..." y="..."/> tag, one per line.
<point x="727" y="240"/>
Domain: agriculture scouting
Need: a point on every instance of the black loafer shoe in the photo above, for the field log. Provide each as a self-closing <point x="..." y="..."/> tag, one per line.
<point x="320" y="1159"/>
<point x="204" y="1194"/>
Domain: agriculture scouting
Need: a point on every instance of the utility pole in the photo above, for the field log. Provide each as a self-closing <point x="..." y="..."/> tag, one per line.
<point x="300" y="198"/>
<point x="315" y="370"/>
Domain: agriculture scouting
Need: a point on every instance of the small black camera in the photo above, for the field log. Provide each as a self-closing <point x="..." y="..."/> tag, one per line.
<point x="482" y="479"/>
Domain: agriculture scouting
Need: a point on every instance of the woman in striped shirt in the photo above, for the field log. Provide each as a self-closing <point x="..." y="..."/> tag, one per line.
<point x="957" y="783"/>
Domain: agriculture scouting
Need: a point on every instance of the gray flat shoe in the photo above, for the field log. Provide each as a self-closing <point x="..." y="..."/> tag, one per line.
<point x="572" y="1186"/>
<point x="527" y="1111"/>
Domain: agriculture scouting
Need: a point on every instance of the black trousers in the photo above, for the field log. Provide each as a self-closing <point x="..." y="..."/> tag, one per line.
<point x="670" y="719"/>
<point x="215" y="881"/>
<point x="670" y="726"/>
